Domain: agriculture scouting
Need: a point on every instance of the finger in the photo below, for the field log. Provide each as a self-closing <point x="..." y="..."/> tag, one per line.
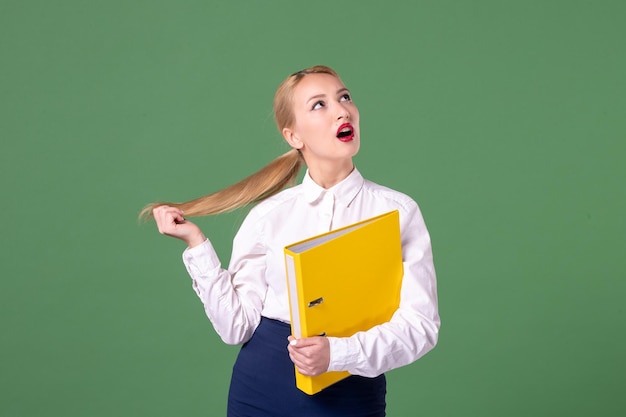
<point x="303" y="356"/>
<point x="299" y="355"/>
<point x="164" y="220"/>
<point x="167" y="216"/>
<point x="304" y="365"/>
<point x="161" y="210"/>
<point x="305" y="371"/>
<point x="292" y="341"/>
<point x="308" y="364"/>
<point x="308" y="369"/>
<point x="167" y="210"/>
<point x="306" y="342"/>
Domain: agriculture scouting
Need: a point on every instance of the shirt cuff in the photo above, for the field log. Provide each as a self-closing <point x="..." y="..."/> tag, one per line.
<point x="343" y="353"/>
<point x="201" y="259"/>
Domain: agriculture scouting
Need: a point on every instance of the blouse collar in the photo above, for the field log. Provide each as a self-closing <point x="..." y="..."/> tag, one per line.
<point x="344" y="192"/>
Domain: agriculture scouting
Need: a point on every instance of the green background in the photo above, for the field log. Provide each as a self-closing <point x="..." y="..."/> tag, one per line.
<point x="505" y="120"/>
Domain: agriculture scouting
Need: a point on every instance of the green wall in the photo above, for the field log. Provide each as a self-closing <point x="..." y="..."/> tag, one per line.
<point x="505" y="120"/>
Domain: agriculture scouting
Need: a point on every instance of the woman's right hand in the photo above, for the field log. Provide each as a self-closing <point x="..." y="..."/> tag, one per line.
<point x="170" y="222"/>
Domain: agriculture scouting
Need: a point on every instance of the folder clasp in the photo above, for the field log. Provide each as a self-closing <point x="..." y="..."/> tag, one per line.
<point x="316" y="302"/>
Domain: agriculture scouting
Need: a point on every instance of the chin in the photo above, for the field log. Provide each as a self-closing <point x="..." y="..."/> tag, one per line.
<point x="356" y="145"/>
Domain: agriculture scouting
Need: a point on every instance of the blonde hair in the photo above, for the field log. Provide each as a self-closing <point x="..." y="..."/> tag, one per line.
<point x="270" y="179"/>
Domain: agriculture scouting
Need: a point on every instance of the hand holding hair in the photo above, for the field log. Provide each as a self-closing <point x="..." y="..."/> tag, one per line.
<point x="170" y="222"/>
<point x="311" y="355"/>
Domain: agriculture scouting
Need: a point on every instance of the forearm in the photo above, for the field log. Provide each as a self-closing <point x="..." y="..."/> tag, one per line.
<point x="391" y="345"/>
<point x="233" y="316"/>
<point x="413" y="329"/>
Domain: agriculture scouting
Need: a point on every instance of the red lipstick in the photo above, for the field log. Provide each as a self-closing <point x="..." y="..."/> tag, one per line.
<point x="345" y="133"/>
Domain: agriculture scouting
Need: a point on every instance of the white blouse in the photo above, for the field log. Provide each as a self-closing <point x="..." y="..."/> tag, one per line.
<point x="255" y="285"/>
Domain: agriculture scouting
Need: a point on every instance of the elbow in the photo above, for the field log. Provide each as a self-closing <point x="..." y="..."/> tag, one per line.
<point x="434" y="331"/>
<point x="233" y="337"/>
<point x="422" y="336"/>
<point x="233" y="341"/>
<point x="430" y="331"/>
<point x="233" y="333"/>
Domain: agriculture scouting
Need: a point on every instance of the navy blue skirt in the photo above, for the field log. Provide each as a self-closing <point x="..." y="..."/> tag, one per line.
<point x="263" y="383"/>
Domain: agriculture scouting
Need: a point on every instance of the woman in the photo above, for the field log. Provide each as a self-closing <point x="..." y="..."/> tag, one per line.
<point x="248" y="304"/>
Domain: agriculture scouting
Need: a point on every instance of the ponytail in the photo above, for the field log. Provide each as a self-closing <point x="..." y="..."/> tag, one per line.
<point x="264" y="183"/>
<point x="269" y="180"/>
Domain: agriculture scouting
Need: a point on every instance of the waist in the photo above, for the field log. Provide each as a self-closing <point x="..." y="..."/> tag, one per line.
<point x="274" y="326"/>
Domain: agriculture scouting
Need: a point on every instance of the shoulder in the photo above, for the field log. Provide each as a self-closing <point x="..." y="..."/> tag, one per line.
<point x="275" y="204"/>
<point x="387" y="199"/>
<point x="263" y="217"/>
<point x="393" y="197"/>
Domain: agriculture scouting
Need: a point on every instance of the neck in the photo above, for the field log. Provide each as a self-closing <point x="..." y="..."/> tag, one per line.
<point x="327" y="175"/>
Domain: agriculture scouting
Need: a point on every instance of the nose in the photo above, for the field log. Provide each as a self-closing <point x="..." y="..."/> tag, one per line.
<point x="343" y="113"/>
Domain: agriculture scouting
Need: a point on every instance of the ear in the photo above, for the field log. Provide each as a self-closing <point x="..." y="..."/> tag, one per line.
<point x="292" y="139"/>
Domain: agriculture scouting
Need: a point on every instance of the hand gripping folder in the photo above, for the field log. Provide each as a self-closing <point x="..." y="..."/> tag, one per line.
<point x="342" y="282"/>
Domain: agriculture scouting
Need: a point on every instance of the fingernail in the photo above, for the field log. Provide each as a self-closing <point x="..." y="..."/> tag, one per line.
<point x="293" y="342"/>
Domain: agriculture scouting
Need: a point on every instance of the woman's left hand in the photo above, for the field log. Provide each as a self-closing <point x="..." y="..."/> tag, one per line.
<point x="311" y="355"/>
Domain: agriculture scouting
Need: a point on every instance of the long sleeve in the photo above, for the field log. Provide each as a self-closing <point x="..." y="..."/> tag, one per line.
<point x="254" y="283"/>
<point x="233" y="298"/>
<point x="413" y="329"/>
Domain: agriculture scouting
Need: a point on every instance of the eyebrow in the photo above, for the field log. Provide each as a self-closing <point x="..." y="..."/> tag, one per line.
<point x="341" y="90"/>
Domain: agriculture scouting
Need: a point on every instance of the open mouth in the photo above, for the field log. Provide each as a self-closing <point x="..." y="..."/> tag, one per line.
<point x="345" y="133"/>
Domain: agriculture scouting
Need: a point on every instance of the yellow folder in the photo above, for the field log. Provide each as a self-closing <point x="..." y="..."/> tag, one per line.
<point x="342" y="282"/>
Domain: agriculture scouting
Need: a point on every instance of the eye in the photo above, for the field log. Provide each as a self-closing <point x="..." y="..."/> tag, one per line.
<point x="346" y="97"/>
<point x="318" y="105"/>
